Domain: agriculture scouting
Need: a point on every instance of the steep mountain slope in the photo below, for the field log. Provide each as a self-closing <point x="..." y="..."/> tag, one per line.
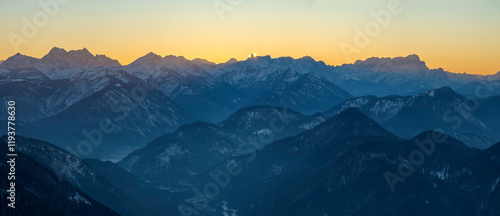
<point x="213" y="103"/>
<point x="240" y="83"/>
<point x="215" y="91"/>
<point x="62" y="59"/>
<point x="72" y="169"/>
<point x="83" y="85"/>
<point x="263" y="120"/>
<point x="172" y="159"/>
<point x="219" y="95"/>
<point x="442" y="109"/>
<point x="153" y="66"/>
<point x="340" y="168"/>
<point x="188" y="83"/>
<point x="31" y="90"/>
<point x="26" y="73"/>
<point x="309" y="94"/>
<point x="238" y="88"/>
<point x="39" y="191"/>
<point x="168" y="161"/>
<point x="354" y="183"/>
<point x="257" y="74"/>
<point x="484" y="88"/>
<point x="483" y="183"/>
<point x="122" y="113"/>
<point x="275" y="159"/>
<point x="155" y="200"/>
<point x="18" y="61"/>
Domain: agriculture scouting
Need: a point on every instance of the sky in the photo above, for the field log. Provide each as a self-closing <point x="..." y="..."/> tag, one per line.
<point x="456" y="35"/>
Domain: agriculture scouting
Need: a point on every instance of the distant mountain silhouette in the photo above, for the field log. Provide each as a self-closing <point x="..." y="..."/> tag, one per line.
<point x="441" y="108"/>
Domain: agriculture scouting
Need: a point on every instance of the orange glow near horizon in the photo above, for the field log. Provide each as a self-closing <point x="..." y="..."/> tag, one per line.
<point x="458" y="36"/>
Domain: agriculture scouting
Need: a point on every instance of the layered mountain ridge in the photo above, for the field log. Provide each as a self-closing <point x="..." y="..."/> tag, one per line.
<point x="76" y="86"/>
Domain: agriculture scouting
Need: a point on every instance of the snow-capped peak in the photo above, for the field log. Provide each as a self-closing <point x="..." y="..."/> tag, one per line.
<point x="56" y="51"/>
<point x="307" y="58"/>
<point x="58" y="54"/>
<point x="19" y="57"/>
<point x="203" y="61"/>
<point x="19" y="60"/>
<point x="398" y="64"/>
<point x="60" y="59"/>
<point x="150" y="58"/>
<point x="233" y="60"/>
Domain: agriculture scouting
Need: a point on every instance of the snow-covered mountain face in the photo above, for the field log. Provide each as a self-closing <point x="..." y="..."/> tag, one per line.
<point x="444" y="109"/>
<point x="3" y="72"/>
<point x="136" y="112"/>
<point x="87" y="83"/>
<point x="411" y="63"/>
<point x="310" y="93"/>
<point x="215" y="91"/>
<point x="62" y="59"/>
<point x="59" y="63"/>
<point x="380" y="76"/>
<point x="147" y="66"/>
<point x="401" y="76"/>
<point x="31" y="90"/>
<point x="494" y="77"/>
<point x="42" y="97"/>
<point x="173" y="75"/>
<point x="383" y="109"/>
<point x="188" y="83"/>
<point x="18" y="60"/>
<point x="60" y="110"/>
<point x="25" y="73"/>
<point x="258" y="69"/>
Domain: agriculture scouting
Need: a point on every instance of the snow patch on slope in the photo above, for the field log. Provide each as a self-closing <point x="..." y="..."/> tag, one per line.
<point x="79" y="199"/>
<point x="172" y="152"/>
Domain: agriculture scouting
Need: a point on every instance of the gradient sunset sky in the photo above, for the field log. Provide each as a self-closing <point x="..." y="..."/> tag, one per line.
<point x="457" y="35"/>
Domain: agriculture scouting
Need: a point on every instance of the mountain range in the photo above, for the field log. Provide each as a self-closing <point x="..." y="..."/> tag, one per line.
<point x="170" y="160"/>
<point x="340" y="168"/>
<point x="59" y="63"/>
<point x="76" y="110"/>
<point x="72" y="92"/>
<point x="262" y="136"/>
<point x="344" y="160"/>
<point x="473" y="122"/>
